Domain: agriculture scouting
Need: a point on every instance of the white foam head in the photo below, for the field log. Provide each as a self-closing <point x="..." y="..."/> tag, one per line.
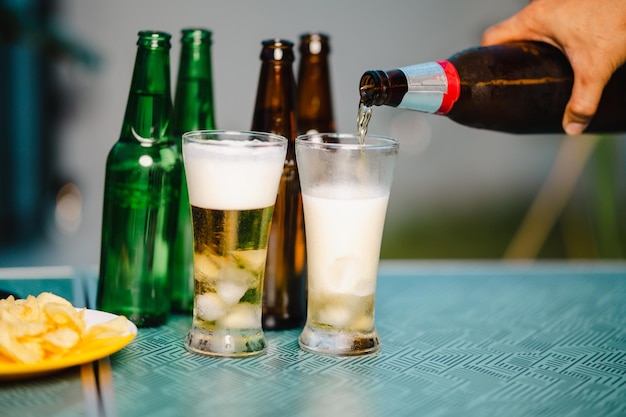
<point x="233" y="175"/>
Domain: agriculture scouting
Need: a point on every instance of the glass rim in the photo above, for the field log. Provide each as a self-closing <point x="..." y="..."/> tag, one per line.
<point x="381" y="142"/>
<point x="243" y="137"/>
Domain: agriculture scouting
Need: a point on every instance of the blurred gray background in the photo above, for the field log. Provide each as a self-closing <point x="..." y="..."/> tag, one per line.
<point x="458" y="192"/>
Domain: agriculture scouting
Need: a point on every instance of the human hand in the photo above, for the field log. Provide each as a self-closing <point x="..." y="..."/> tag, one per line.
<point x="591" y="33"/>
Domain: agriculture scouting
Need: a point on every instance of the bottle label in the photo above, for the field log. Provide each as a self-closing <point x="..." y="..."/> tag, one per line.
<point x="433" y="87"/>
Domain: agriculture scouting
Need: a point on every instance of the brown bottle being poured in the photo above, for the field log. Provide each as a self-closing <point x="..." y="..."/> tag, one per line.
<point x="518" y="87"/>
<point x="284" y="303"/>
<point x="315" y="106"/>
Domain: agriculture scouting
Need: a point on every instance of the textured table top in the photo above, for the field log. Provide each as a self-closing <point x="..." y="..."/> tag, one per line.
<point x="457" y="339"/>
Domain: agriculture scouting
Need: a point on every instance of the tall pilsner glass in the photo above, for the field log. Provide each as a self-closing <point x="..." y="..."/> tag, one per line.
<point x="345" y="190"/>
<point x="232" y="178"/>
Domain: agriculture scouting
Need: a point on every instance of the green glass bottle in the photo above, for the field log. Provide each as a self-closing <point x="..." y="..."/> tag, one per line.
<point x="193" y="110"/>
<point x="141" y="194"/>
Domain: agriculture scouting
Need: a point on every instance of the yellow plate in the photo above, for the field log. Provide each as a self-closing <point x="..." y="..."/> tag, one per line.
<point x="88" y="353"/>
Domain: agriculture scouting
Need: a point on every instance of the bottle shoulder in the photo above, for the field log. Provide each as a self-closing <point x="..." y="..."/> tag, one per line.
<point x="275" y="105"/>
<point x="129" y="155"/>
<point x="512" y="61"/>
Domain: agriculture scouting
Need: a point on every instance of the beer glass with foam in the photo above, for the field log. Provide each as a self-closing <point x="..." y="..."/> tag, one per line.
<point x="232" y="178"/>
<point x="345" y="190"/>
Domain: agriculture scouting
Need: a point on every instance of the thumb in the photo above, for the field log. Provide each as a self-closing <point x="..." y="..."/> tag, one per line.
<point x="583" y="102"/>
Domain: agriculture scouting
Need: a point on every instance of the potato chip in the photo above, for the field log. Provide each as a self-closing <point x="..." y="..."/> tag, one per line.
<point x="21" y="310"/>
<point x="48" y="327"/>
<point x="61" y="339"/>
<point x="112" y="328"/>
<point x="47" y="297"/>
<point x="26" y="328"/>
<point x="61" y="315"/>
<point x="20" y="351"/>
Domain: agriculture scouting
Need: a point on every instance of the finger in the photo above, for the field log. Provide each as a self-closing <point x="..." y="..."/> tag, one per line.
<point x="527" y="24"/>
<point x="583" y="104"/>
<point x="505" y="31"/>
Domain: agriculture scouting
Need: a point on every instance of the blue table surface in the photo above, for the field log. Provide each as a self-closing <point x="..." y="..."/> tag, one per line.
<point x="471" y="339"/>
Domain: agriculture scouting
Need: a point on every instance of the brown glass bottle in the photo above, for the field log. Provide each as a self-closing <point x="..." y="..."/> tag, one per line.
<point x="315" y="104"/>
<point x="518" y="87"/>
<point x="284" y="303"/>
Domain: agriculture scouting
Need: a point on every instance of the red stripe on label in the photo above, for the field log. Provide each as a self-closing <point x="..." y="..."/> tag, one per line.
<point x="454" y="87"/>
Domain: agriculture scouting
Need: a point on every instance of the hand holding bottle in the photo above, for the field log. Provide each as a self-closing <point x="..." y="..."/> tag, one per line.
<point x="591" y="33"/>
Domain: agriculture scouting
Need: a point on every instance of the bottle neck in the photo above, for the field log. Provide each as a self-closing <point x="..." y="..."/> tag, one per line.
<point x="314" y="96"/>
<point x="279" y="50"/>
<point x="149" y="105"/>
<point x="193" y="104"/>
<point x="314" y="44"/>
<point x="275" y="105"/>
<point x="431" y="87"/>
